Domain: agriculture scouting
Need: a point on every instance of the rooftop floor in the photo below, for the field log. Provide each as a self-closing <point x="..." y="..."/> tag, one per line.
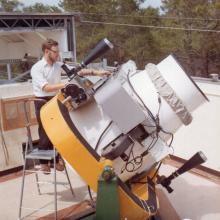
<point x="194" y="197"/>
<point x="10" y="195"/>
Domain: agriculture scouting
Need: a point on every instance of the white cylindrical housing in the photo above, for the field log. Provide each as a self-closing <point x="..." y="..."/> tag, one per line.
<point x="186" y="94"/>
<point x="190" y="94"/>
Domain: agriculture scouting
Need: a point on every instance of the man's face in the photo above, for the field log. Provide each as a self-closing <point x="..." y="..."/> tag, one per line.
<point x="53" y="53"/>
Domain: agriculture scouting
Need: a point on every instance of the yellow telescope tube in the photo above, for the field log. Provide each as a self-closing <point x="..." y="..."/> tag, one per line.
<point x="138" y="203"/>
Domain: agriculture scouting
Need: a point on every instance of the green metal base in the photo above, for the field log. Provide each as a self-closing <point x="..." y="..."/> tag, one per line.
<point x="107" y="205"/>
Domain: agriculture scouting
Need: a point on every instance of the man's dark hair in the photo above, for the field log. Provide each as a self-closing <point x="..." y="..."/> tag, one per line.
<point x="48" y="44"/>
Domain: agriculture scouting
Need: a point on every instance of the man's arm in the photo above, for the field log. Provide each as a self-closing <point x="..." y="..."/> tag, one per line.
<point x="92" y="72"/>
<point x="53" y="88"/>
<point x="83" y="72"/>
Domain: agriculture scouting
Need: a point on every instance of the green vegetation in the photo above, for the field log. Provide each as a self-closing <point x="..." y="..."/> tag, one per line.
<point x="188" y="29"/>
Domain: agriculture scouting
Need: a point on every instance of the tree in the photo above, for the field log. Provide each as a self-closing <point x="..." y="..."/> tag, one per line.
<point x="200" y="49"/>
<point x="41" y="8"/>
<point x="130" y="42"/>
<point x="10" y="5"/>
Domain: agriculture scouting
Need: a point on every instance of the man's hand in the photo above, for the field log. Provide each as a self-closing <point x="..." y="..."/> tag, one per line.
<point x="92" y="72"/>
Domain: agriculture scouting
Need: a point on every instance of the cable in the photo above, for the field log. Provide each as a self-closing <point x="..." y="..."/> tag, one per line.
<point x="147" y="109"/>
<point x="155" y="120"/>
<point x="98" y="142"/>
<point x="152" y="144"/>
<point x="134" y="161"/>
<point x="171" y="134"/>
<point x="159" y="101"/>
<point x="152" y="26"/>
<point x="156" y="170"/>
<point x="90" y="195"/>
<point x="169" y="146"/>
<point x="138" y="160"/>
<point x="97" y="88"/>
<point x="156" y="17"/>
<point x="157" y="126"/>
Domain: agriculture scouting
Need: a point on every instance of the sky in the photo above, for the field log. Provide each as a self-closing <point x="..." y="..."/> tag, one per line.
<point x="152" y="3"/>
<point x="32" y="2"/>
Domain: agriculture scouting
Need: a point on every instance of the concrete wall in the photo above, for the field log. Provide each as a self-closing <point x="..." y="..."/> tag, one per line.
<point x="204" y="131"/>
<point x="194" y="197"/>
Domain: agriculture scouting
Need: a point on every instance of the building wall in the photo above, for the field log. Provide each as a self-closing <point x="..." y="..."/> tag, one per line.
<point x="4" y="51"/>
<point x="34" y="41"/>
<point x="204" y="131"/>
<point x="31" y="44"/>
<point x="16" y="50"/>
<point x="11" y="50"/>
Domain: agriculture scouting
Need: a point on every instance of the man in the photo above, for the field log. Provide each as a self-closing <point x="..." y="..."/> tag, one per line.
<point x="46" y="79"/>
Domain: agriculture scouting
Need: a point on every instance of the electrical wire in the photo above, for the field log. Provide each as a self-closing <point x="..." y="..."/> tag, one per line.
<point x="98" y="142"/>
<point x="151" y="26"/>
<point x="159" y="101"/>
<point x="134" y="161"/>
<point x="171" y="141"/>
<point x="138" y="160"/>
<point x="158" y="129"/>
<point x="169" y="146"/>
<point x="155" y="17"/>
<point x="152" y="144"/>
<point x="90" y="195"/>
<point x="147" y="109"/>
<point x="171" y="134"/>
<point x="154" y="119"/>
<point x="156" y="170"/>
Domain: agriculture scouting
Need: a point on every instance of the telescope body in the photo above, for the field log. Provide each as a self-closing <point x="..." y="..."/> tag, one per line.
<point x="131" y="139"/>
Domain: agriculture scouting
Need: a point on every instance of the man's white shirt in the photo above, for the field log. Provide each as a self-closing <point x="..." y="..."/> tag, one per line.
<point x="42" y="74"/>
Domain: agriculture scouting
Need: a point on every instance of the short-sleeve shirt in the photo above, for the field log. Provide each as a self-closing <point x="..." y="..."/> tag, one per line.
<point x="42" y="74"/>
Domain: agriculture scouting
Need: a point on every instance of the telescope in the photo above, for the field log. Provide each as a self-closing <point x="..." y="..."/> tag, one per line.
<point x="102" y="47"/>
<point x="128" y="121"/>
<point x="193" y="162"/>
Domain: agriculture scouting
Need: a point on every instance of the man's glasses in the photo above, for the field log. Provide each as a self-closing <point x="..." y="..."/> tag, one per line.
<point x="55" y="51"/>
